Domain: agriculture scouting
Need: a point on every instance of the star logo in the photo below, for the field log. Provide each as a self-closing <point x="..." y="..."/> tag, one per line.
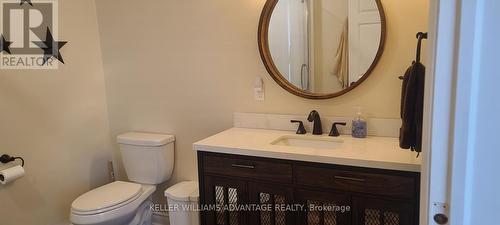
<point x="26" y="1"/>
<point x="50" y="47"/>
<point x="4" y="45"/>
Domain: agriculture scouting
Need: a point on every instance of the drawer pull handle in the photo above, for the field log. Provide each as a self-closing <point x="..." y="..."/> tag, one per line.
<point x="350" y="178"/>
<point x="243" y="166"/>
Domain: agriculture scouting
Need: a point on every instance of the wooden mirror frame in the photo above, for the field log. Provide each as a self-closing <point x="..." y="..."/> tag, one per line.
<point x="265" y="53"/>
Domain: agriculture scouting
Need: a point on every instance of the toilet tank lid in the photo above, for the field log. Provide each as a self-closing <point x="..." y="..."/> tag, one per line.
<point x="186" y="191"/>
<point x="145" y="139"/>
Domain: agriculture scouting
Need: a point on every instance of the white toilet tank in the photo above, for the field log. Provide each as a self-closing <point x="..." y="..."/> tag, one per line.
<point x="148" y="158"/>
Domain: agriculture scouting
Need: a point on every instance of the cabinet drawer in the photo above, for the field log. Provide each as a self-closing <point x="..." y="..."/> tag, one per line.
<point x="248" y="168"/>
<point x="353" y="181"/>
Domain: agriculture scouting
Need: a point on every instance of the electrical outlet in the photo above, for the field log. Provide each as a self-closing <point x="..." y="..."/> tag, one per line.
<point x="259" y="95"/>
<point x="259" y="89"/>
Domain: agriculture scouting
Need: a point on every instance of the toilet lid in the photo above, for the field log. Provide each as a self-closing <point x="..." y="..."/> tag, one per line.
<point x="106" y="196"/>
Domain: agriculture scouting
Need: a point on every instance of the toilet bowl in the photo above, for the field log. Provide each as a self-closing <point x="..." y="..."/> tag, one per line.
<point x="148" y="160"/>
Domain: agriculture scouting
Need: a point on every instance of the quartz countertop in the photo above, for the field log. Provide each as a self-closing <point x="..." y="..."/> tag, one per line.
<point x="370" y="152"/>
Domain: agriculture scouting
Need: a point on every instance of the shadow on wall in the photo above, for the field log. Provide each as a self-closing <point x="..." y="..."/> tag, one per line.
<point x="99" y="172"/>
<point x="27" y="198"/>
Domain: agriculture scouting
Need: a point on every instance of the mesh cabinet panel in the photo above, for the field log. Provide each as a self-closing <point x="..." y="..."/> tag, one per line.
<point x="372" y="217"/>
<point x="233" y="202"/>
<point x="271" y="213"/>
<point x="220" y="202"/>
<point x="330" y="216"/>
<point x="320" y="213"/>
<point x="313" y="216"/>
<point x="226" y="200"/>
<point x="391" y="218"/>
<point x="280" y="215"/>
<point x="265" y="215"/>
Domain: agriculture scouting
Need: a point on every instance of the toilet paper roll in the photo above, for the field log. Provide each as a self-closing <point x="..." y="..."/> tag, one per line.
<point x="11" y="174"/>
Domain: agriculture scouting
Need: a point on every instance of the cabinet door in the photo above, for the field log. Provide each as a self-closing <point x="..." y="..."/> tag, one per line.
<point x="222" y="195"/>
<point x="372" y="211"/>
<point x="324" y="208"/>
<point x="274" y="201"/>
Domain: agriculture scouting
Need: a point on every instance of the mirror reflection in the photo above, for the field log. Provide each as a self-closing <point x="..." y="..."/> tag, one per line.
<point x="325" y="46"/>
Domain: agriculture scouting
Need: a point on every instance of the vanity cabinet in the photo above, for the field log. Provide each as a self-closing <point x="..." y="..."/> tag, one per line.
<point x="303" y="193"/>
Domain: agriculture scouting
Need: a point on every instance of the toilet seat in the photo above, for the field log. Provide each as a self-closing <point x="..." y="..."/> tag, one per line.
<point x="124" y="210"/>
<point x="106" y="198"/>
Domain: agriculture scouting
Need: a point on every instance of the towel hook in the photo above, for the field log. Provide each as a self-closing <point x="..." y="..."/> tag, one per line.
<point x="420" y="36"/>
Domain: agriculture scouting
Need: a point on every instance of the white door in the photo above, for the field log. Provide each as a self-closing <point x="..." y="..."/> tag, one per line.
<point x="299" y="43"/>
<point x="462" y="170"/>
<point x="364" y="36"/>
<point x="290" y="24"/>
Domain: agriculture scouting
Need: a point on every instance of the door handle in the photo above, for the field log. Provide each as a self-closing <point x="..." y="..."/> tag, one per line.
<point x="440" y="219"/>
<point x="304" y="84"/>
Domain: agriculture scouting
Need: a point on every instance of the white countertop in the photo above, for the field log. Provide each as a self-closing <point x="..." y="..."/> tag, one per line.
<point x="371" y="152"/>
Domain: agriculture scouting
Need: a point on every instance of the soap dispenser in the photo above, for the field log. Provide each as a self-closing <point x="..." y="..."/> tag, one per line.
<point x="359" y="125"/>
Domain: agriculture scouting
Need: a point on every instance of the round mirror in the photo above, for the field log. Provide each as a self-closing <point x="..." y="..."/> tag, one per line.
<point x="321" y="49"/>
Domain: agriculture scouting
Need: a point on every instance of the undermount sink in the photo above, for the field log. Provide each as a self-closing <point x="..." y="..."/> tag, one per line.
<point x="322" y="142"/>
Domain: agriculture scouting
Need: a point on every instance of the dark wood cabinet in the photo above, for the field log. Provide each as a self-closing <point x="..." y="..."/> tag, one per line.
<point x="227" y="165"/>
<point x="393" y="185"/>
<point x="244" y="190"/>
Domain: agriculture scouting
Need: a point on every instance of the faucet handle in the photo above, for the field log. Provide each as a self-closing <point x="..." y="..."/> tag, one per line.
<point x="335" y="132"/>
<point x="301" y="129"/>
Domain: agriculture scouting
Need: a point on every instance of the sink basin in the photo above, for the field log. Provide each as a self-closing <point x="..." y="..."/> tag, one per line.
<point x="322" y="142"/>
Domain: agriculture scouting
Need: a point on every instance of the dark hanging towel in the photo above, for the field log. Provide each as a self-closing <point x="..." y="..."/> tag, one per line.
<point x="412" y="104"/>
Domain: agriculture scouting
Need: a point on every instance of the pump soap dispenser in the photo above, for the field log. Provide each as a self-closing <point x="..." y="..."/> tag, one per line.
<point x="359" y="125"/>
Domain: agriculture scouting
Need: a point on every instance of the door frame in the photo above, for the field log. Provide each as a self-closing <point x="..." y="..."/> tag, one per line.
<point x="449" y="85"/>
<point x="438" y="98"/>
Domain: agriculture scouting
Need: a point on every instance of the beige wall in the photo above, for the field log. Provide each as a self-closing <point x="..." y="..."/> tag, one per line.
<point x="184" y="66"/>
<point x="175" y="66"/>
<point x="56" y="120"/>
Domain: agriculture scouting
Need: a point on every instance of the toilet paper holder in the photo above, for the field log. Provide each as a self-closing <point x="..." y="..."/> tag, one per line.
<point x="7" y="158"/>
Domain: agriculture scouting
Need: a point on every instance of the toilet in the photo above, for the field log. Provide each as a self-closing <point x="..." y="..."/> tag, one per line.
<point x="148" y="160"/>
